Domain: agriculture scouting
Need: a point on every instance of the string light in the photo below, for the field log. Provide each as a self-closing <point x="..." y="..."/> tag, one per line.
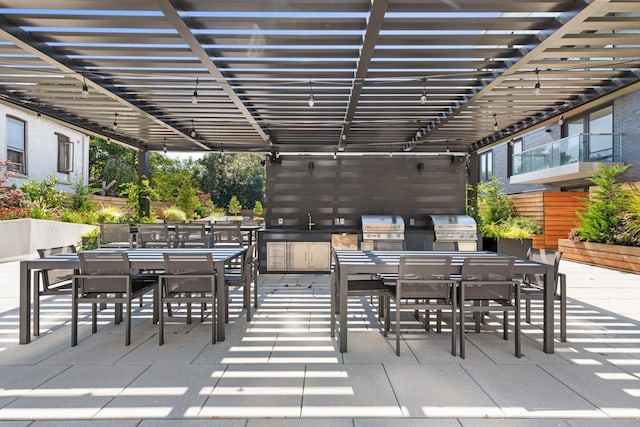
<point x="536" y="87"/>
<point x="164" y="145"/>
<point x="311" y="101"/>
<point x="39" y="116"/>
<point x="193" y="129"/>
<point x="85" y="88"/>
<point x="423" y="97"/>
<point x="561" y="121"/>
<point x="495" y="122"/>
<point x="115" y="121"/>
<point x="194" y="97"/>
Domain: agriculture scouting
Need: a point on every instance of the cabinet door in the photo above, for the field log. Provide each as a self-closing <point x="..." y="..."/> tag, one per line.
<point x="319" y="256"/>
<point x="276" y="256"/>
<point x="298" y="256"/>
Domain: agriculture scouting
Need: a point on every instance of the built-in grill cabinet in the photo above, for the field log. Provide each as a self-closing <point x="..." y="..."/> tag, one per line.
<point x="454" y="232"/>
<point x="382" y="232"/>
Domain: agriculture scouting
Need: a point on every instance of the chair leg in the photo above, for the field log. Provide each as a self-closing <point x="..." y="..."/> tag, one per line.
<point x="527" y="313"/>
<point x="255" y="287"/>
<point x="332" y="314"/>
<point x="74" y="316"/>
<point x="505" y="325"/>
<point x="461" y="320"/>
<point x="563" y="307"/>
<point x="94" y="318"/>
<point x="161" y="314"/>
<point x="36" y="304"/>
<point x="439" y="321"/>
<point x="454" y="305"/>
<point x="517" y="324"/>
<point x="127" y="322"/>
<point x="398" y="327"/>
<point x="189" y="311"/>
<point x="214" y="318"/>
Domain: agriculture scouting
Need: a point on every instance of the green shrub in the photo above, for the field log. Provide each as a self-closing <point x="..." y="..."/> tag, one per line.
<point x="606" y="207"/>
<point x="89" y="239"/>
<point x="72" y="216"/>
<point x="234" y="206"/>
<point x="174" y="214"/>
<point x="42" y="212"/>
<point x="43" y="193"/>
<point x="109" y="214"/>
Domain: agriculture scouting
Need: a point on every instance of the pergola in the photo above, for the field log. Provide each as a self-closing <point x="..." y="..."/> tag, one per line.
<point x="314" y="76"/>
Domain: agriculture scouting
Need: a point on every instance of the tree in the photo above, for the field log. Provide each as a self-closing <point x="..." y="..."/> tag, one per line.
<point x="233" y="174"/>
<point x="111" y="162"/>
<point x="257" y="209"/>
<point x="606" y="206"/>
<point x="234" y="206"/>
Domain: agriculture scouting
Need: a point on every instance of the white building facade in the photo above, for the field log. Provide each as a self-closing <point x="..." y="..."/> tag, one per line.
<point x="38" y="147"/>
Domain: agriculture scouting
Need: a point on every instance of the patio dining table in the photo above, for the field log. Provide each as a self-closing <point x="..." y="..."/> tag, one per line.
<point x="386" y="262"/>
<point x="140" y="259"/>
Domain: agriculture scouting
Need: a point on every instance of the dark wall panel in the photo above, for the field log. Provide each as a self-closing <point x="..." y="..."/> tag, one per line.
<point x="350" y="186"/>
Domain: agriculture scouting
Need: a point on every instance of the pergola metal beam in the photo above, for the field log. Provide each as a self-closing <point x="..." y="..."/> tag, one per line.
<point x="374" y="25"/>
<point x="185" y="33"/>
<point x="26" y="42"/>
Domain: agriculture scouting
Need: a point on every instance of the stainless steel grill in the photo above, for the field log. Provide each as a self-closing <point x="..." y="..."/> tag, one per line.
<point x="382" y="232"/>
<point x="454" y="232"/>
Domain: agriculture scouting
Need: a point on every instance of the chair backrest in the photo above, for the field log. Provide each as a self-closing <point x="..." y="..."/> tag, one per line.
<point x="104" y="264"/>
<point x="224" y="222"/>
<point x="251" y="223"/>
<point x="227" y="234"/>
<point x="489" y="278"/>
<point x="190" y="231"/>
<point x="188" y="263"/>
<point x="424" y="276"/>
<point x="56" y="276"/>
<point x="115" y="235"/>
<point x="152" y="233"/>
<point x="544" y="256"/>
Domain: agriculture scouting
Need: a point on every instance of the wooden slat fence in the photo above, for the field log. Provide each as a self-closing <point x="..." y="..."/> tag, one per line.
<point x="555" y="211"/>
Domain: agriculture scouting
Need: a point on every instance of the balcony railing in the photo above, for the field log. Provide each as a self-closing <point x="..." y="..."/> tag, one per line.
<point x="584" y="147"/>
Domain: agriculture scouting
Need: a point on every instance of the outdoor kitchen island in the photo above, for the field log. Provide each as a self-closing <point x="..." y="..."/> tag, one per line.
<point x="284" y="249"/>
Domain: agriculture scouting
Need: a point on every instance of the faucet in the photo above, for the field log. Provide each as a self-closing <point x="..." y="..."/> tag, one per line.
<point x="310" y="223"/>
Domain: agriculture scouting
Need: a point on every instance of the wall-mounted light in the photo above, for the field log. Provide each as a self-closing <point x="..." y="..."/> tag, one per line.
<point x="194" y="97"/>
<point x="423" y="97"/>
<point x="85" y="88"/>
<point x="312" y="100"/>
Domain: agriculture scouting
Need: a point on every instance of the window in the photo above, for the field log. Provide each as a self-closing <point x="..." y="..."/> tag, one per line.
<point x="516" y="156"/>
<point x="65" y="154"/>
<point x="486" y="165"/>
<point x="16" y="141"/>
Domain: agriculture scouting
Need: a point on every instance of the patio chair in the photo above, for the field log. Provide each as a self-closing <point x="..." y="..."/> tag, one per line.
<point x="227" y="235"/>
<point x="371" y="286"/>
<point x="242" y="274"/>
<point x="533" y="286"/>
<point x="115" y="235"/>
<point x="153" y="236"/>
<point x="192" y="235"/>
<point x="107" y="277"/>
<point x="50" y="282"/>
<point x="189" y="277"/>
<point x="424" y="282"/>
<point x="488" y="283"/>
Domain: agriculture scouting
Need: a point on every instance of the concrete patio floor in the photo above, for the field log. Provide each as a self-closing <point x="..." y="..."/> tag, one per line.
<point x="283" y="369"/>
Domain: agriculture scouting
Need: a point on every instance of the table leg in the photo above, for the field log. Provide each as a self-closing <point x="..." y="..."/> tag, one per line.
<point x="25" y="304"/>
<point x="220" y="296"/>
<point x="549" y="302"/>
<point x="342" y="301"/>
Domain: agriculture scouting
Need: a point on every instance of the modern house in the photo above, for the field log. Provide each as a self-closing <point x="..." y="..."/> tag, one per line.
<point x="38" y="146"/>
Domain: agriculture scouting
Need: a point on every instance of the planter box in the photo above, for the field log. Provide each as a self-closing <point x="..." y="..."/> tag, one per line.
<point x="513" y="247"/>
<point x="22" y="237"/>
<point x="625" y="258"/>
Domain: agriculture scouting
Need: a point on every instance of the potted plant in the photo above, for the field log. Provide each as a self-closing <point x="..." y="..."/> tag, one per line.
<point x="502" y="230"/>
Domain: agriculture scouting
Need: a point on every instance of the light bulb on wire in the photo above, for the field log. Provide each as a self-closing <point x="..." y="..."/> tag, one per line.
<point x="312" y="100"/>
<point x="423" y="97"/>
<point x="194" y="97"/>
